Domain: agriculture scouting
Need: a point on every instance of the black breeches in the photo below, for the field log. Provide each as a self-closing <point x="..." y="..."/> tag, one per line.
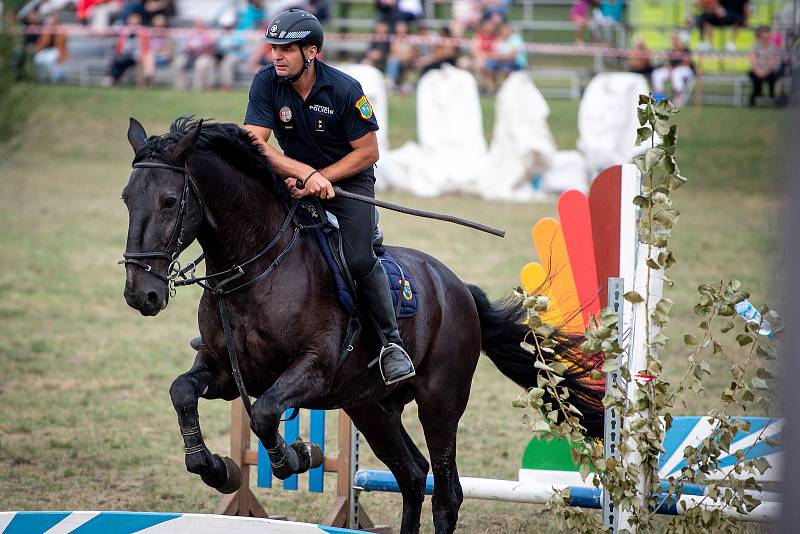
<point x="729" y="19"/>
<point x="357" y="221"/>
<point x="771" y="79"/>
<point x="119" y="64"/>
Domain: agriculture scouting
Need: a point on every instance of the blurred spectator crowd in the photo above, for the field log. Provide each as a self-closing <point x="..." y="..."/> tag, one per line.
<point x="770" y="57"/>
<point x="404" y="48"/>
<point x="199" y="54"/>
<point x="222" y="47"/>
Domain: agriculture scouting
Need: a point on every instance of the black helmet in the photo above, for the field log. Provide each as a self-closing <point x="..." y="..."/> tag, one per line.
<point x="295" y="26"/>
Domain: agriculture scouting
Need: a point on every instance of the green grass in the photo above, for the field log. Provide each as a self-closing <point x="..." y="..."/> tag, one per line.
<point x="85" y="416"/>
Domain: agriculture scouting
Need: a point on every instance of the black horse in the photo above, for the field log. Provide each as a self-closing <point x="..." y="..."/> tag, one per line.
<point x="209" y="182"/>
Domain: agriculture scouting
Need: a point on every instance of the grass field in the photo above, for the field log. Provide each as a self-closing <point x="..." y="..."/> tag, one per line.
<point x="85" y="416"/>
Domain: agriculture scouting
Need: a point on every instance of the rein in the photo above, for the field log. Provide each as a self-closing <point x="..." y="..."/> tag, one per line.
<point x="177" y="277"/>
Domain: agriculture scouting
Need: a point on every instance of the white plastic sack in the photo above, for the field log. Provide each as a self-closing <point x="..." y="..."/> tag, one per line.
<point x="522" y="144"/>
<point x="449" y="111"/>
<point x="567" y="171"/>
<point x="452" y="148"/>
<point x="607" y="120"/>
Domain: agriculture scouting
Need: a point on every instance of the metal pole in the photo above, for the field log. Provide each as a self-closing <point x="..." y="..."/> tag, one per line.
<point x="354" y="456"/>
<point x="613" y="419"/>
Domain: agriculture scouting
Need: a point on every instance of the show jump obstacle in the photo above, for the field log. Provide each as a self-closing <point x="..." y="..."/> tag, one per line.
<point x="594" y="242"/>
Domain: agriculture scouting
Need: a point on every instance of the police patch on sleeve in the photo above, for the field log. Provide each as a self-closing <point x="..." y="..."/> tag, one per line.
<point x="364" y="107"/>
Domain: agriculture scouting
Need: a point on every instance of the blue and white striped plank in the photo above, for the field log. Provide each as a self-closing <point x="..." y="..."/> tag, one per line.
<point x="291" y="429"/>
<point x="690" y="431"/>
<point x="685" y="431"/>
<point x="151" y="523"/>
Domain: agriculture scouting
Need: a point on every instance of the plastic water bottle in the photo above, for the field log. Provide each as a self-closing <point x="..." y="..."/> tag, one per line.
<point x="749" y="313"/>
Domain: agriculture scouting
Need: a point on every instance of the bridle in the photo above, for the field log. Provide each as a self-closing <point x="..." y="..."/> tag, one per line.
<point x="176" y="242"/>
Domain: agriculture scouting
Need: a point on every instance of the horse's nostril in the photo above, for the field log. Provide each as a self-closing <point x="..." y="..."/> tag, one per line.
<point x="152" y="299"/>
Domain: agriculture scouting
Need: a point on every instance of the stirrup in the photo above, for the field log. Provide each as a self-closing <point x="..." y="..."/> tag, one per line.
<point x="409" y="374"/>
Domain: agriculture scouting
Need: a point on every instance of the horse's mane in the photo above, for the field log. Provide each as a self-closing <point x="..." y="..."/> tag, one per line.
<point x="229" y="142"/>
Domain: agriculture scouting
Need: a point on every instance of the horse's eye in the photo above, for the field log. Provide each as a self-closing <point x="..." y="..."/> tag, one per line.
<point x="169" y="202"/>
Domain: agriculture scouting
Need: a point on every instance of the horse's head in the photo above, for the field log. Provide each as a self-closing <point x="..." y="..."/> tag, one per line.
<point x="164" y="216"/>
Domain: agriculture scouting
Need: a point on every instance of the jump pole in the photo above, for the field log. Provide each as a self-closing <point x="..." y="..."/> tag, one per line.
<point x="540" y="493"/>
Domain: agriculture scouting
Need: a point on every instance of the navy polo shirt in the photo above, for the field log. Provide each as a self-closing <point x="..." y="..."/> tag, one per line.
<point x="316" y="131"/>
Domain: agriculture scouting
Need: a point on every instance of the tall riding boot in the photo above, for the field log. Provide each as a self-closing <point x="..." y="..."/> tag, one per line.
<point x="395" y="365"/>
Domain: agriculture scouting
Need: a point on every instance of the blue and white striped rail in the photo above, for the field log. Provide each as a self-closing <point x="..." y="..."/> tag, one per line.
<point x="691" y="430"/>
<point x="150" y="522"/>
<point x="540" y="493"/>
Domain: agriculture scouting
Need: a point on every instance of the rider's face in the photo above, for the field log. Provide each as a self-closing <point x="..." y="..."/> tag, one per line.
<point x="289" y="59"/>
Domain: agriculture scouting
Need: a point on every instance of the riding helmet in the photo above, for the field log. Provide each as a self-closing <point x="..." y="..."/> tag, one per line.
<point x="295" y="26"/>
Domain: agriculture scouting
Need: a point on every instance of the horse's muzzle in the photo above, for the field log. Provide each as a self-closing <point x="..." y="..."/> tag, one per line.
<point x="148" y="301"/>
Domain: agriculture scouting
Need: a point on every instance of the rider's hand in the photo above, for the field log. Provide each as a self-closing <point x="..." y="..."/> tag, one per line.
<point x="316" y="184"/>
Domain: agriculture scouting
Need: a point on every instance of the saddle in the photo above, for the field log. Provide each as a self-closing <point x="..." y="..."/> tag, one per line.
<point x="329" y="239"/>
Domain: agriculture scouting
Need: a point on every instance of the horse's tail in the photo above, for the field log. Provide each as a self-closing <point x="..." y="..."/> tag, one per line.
<point x="502" y="331"/>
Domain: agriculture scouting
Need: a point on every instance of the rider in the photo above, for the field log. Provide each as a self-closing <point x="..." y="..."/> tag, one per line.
<point x="326" y="128"/>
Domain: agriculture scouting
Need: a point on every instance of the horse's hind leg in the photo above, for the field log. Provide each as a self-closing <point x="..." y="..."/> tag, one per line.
<point x="220" y="473"/>
<point x="394" y="447"/>
<point x="439" y="415"/>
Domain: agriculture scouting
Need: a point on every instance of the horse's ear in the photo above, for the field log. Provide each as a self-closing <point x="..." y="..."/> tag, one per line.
<point x="184" y="147"/>
<point x="136" y="135"/>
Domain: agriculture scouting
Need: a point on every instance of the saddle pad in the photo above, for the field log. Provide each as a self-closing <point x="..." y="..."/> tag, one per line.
<point x="402" y="287"/>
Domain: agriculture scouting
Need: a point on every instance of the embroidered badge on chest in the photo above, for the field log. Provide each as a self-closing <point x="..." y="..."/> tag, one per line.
<point x="319" y="124"/>
<point x="364" y="107"/>
<point x="286" y="114"/>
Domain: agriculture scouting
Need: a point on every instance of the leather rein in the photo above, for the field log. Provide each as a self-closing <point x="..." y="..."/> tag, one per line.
<point x="177" y="276"/>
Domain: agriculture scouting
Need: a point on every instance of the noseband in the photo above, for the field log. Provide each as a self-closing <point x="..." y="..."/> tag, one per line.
<point x="175" y="243"/>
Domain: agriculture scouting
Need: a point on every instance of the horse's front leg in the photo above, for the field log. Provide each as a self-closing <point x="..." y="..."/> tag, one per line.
<point x="219" y="472"/>
<point x="306" y="380"/>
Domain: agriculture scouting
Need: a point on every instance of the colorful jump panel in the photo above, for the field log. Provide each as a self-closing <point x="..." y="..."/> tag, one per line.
<point x="576" y="223"/>
<point x="548" y="238"/>
<point x="604" y="206"/>
<point x="534" y="277"/>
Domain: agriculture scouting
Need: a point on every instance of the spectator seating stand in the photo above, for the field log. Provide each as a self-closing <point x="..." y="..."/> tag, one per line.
<point x="722" y="77"/>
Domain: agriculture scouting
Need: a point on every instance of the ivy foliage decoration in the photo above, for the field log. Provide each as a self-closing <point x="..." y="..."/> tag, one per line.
<point x="633" y="482"/>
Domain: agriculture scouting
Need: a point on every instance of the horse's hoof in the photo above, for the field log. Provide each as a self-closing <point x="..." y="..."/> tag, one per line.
<point x="233" y="481"/>
<point x="310" y="454"/>
<point x="317" y="457"/>
<point x="283" y="471"/>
